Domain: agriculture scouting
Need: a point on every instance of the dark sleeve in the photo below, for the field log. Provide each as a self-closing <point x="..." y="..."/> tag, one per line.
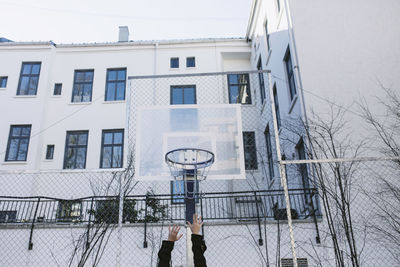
<point x="198" y="248"/>
<point x="164" y="255"/>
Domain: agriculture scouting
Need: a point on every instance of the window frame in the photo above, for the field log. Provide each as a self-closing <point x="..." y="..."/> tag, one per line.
<point x="276" y="106"/>
<point x="290" y="75"/>
<point x="115" y="84"/>
<point x="75" y="146"/>
<point x="188" y="60"/>
<point x="50" y="152"/>
<point x="76" y="83"/>
<point x="113" y="131"/>
<point x="270" y="156"/>
<point x="172" y="87"/>
<point x="170" y="62"/>
<point x="19" y="138"/>
<point x="30" y="75"/>
<point x="57" y="89"/>
<point x="261" y="81"/>
<point x="2" y="79"/>
<point x="253" y="151"/>
<point x="238" y="85"/>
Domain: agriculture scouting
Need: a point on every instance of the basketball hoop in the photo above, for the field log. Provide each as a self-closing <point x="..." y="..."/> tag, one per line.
<point x="189" y="163"/>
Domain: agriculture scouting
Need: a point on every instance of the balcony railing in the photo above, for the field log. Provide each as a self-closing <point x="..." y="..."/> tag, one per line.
<point x="216" y="206"/>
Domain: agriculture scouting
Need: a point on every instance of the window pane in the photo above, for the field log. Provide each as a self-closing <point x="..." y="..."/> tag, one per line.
<point x="13" y="149"/>
<point x="79" y="76"/>
<point x="87" y="93"/>
<point x="120" y="91"/>
<point x="189" y="96"/>
<point x="121" y="75"/>
<point x="24" y="84"/>
<point x="88" y="76"/>
<point x="26" y="131"/>
<point x="174" y="63"/>
<point x="190" y="62"/>
<point x="118" y="138"/>
<point x="33" y="84"/>
<point x="110" y="91"/>
<point x="23" y="149"/>
<point x="106" y="162"/>
<point x="234" y="94"/>
<point x="16" y="131"/>
<point x="77" y="93"/>
<point x="72" y="139"/>
<point x="80" y="158"/>
<point x="26" y="68"/>
<point x="108" y="138"/>
<point x="82" y="139"/>
<point x="233" y="78"/>
<point x="177" y="97"/>
<point x="112" y="75"/>
<point x="117" y="157"/>
<point x="35" y="69"/>
<point x="70" y="158"/>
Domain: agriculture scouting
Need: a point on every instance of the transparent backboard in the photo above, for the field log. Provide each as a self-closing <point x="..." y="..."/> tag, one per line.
<point x="216" y="128"/>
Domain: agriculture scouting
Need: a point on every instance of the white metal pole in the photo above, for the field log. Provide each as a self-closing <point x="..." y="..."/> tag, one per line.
<point x="282" y="171"/>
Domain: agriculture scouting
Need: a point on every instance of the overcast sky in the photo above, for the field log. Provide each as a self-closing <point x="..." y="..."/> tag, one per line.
<point x="78" y="21"/>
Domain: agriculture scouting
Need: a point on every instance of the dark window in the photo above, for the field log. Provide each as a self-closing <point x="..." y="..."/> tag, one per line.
<point x="112" y="149"/>
<point x="29" y="78"/>
<point x="18" y="142"/>
<point x="178" y="191"/>
<point x="278" y="5"/>
<point x="301" y="154"/>
<point x="261" y="81"/>
<point x="57" y="89"/>
<point x="69" y="210"/>
<point x="185" y="94"/>
<point x="288" y="262"/>
<point x="290" y="74"/>
<point x="269" y="153"/>
<point x="267" y="35"/>
<point x="50" y="152"/>
<point x="190" y="62"/>
<point x="8" y="216"/>
<point x="276" y="102"/>
<point x="83" y="83"/>
<point x="174" y="62"/>
<point x="115" y="85"/>
<point x="250" y="152"/>
<point x="75" y="150"/>
<point x="239" y="89"/>
<point x="3" y="82"/>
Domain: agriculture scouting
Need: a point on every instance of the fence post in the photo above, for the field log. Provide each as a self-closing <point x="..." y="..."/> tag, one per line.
<point x="260" y="240"/>
<point x="282" y="171"/>
<point x="30" y="245"/>
<point x="145" y="223"/>
<point x="120" y="217"/>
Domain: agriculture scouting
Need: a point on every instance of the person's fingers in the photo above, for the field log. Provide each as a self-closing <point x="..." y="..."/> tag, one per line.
<point x="169" y="228"/>
<point x="194" y="218"/>
<point x="179" y="237"/>
<point x="190" y="225"/>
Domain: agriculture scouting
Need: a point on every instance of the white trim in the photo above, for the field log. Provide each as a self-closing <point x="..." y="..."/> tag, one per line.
<point x="361" y="159"/>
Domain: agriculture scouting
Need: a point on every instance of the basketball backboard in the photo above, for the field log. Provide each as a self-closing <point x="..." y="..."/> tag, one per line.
<point x="215" y="128"/>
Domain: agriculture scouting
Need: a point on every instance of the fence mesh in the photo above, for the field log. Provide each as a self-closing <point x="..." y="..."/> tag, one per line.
<point x="344" y="212"/>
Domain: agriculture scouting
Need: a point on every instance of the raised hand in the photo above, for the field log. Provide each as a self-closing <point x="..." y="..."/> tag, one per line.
<point x="173" y="233"/>
<point x="197" y="223"/>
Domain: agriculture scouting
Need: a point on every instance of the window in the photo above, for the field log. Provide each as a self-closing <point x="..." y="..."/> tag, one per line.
<point x="185" y="94"/>
<point x="178" y="191"/>
<point x="174" y="63"/>
<point x="83" y="83"/>
<point x="250" y="153"/>
<point x="18" y="142"/>
<point x="190" y="62"/>
<point x="270" y="160"/>
<point x="112" y="147"/>
<point x="288" y="262"/>
<point x="301" y="154"/>
<point x="115" y="85"/>
<point x="29" y="78"/>
<point x="276" y="102"/>
<point x="261" y="81"/>
<point x="57" y="89"/>
<point x="290" y="75"/>
<point x="75" y="150"/>
<point x="69" y="210"/>
<point x="3" y="82"/>
<point x="267" y="35"/>
<point x="50" y="152"/>
<point x="8" y="216"/>
<point x="239" y="88"/>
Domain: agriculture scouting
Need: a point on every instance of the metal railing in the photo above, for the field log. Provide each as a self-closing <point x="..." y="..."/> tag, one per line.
<point x="216" y="206"/>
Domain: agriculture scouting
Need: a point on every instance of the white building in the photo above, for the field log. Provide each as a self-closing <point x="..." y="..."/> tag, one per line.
<point x="53" y="94"/>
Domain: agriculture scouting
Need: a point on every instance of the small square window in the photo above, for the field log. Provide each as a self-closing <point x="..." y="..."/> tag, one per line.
<point x="50" y="152"/>
<point x="174" y="63"/>
<point x="190" y="62"/>
<point x="57" y="89"/>
<point x="3" y="82"/>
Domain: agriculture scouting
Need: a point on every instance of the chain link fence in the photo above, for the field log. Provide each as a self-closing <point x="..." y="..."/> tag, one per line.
<point x="343" y="212"/>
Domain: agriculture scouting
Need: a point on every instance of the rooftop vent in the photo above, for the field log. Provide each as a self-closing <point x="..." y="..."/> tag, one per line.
<point x="123" y="34"/>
